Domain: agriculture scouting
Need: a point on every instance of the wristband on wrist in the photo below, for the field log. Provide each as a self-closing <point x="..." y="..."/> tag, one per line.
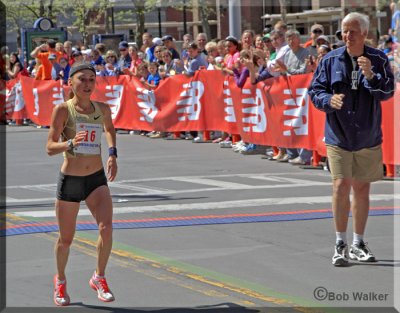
<point x="112" y="151"/>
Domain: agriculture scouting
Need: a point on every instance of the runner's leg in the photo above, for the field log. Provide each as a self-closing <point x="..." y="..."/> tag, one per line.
<point x="99" y="203"/>
<point x="66" y="213"/>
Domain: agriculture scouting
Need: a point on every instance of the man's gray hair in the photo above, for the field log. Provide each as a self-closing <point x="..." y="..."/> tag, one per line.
<point x="277" y="32"/>
<point x="362" y="19"/>
<point x="292" y="32"/>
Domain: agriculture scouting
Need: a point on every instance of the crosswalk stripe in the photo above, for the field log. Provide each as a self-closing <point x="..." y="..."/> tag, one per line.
<point x="211" y="205"/>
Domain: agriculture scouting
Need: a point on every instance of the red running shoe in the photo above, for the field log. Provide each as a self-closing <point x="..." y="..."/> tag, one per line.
<point x="100" y="285"/>
<point x="61" y="297"/>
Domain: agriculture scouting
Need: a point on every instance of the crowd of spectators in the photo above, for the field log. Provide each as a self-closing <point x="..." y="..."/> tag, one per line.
<point x="274" y="52"/>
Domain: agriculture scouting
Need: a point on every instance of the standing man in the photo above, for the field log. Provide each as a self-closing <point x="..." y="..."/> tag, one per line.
<point x="201" y="41"/>
<point x="349" y="84"/>
<point x="42" y="52"/>
<point x="281" y="48"/>
<point x="316" y="31"/>
<point x="187" y="39"/>
<point x="196" y="61"/>
<point x="169" y="43"/>
<point x="124" y="59"/>
<point x="148" y="47"/>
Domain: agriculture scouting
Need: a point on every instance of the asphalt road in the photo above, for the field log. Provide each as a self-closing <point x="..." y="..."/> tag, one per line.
<point x="197" y="228"/>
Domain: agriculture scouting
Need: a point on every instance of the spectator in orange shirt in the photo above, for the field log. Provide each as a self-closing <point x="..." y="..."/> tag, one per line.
<point x="42" y="53"/>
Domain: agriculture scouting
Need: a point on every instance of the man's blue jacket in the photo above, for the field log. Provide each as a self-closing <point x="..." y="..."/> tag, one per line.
<point x="357" y="125"/>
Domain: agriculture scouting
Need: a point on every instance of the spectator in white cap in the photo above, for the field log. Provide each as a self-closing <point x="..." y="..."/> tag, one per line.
<point x="316" y="31"/>
<point x="157" y="41"/>
<point x="55" y="71"/>
<point x="87" y="55"/>
<point x="323" y="40"/>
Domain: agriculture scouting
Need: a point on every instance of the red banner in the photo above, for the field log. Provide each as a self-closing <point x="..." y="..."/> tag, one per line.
<point x="275" y="112"/>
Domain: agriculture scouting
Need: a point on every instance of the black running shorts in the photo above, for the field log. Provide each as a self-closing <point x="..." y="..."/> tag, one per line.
<point x="78" y="188"/>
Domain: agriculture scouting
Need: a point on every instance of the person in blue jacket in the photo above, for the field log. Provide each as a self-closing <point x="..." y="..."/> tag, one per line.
<point x="349" y="84"/>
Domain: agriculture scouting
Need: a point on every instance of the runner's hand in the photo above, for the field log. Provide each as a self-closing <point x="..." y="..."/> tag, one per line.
<point x="79" y="137"/>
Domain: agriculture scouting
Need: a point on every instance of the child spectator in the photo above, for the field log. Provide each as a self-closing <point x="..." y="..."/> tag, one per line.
<point x="64" y="73"/>
<point x="154" y="77"/>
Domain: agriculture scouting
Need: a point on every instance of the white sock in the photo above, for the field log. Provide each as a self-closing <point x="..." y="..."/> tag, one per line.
<point x="357" y="238"/>
<point x="60" y="282"/>
<point x="96" y="276"/>
<point x="341" y="236"/>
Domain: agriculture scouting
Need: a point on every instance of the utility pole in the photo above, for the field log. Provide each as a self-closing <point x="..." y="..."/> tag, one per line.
<point x="195" y="18"/>
<point x="218" y="5"/>
<point x="235" y="18"/>
<point x="184" y="18"/>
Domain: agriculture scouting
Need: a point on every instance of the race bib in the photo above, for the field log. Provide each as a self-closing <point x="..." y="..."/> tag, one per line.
<point x="91" y="143"/>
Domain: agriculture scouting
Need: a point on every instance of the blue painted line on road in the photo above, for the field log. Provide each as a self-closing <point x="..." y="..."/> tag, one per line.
<point x="27" y="228"/>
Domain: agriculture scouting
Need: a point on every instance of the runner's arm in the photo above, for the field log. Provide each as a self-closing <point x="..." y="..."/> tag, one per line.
<point x="111" y="138"/>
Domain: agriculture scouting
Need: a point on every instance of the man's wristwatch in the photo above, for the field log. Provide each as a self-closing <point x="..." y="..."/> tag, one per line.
<point x="70" y="144"/>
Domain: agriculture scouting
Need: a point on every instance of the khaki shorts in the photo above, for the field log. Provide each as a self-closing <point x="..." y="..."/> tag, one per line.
<point x="364" y="165"/>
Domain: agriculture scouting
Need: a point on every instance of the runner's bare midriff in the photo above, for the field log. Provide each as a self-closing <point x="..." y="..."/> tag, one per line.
<point x="82" y="166"/>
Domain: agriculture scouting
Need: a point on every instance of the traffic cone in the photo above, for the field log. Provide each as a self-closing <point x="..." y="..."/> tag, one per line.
<point x="316" y="158"/>
<point x="235" y="138"/>
<point x="389" y="170"/>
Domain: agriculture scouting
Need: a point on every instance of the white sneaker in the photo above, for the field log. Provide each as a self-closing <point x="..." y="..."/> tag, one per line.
<point x="238" y="146"/>
<point x="361" y="252"/>
<point x="297" y="161"/>
<point x="340" y="258"/>
<point x="225" y="144"/>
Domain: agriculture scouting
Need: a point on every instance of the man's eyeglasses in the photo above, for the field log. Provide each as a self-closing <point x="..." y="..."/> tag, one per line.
<point x="122" y="50"/>
<point x="317" y="31"/>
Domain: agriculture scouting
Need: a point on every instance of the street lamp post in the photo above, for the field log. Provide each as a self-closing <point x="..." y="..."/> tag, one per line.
<point x="112" y="20"/>
<point x="235" y="19"/>
<point x="159" y="18"/>
<point x="184" y="18"/>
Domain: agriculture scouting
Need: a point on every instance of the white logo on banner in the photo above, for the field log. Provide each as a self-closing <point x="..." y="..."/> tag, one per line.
<point x="148" y="105"/>
<point x="299" y="114"/>
<point x="14" y="99"/>
<point x="10" y="99"/>
<point x="190" y="104"/>
<point x="254" y="114"/>
<point x="115" y="94"/>
<point x="229" y="110"/>
<point x="36" y="101"/>
<point x="58" y="95"/>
